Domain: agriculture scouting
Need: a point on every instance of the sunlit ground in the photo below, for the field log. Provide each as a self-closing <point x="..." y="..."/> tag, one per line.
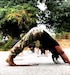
<point x="27" y="57"/>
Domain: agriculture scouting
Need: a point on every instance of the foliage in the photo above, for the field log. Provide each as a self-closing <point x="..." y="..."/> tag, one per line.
<point x="18" y="16"/>
<point x="18" y="19"/>
<point x="10" y="3"/>
<point x="59" y="15"/>
<point x="7" y="45"/>
<point x="63" y="35"/>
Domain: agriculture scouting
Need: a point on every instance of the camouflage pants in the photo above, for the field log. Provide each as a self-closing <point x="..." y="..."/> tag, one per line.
<point x="33" y="35"/>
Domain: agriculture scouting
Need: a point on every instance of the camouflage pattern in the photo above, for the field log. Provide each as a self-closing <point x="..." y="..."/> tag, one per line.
<point x="32" y="35"/>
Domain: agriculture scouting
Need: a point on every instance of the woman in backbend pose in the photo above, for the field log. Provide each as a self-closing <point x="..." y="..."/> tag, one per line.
<point x="41" y="34"/>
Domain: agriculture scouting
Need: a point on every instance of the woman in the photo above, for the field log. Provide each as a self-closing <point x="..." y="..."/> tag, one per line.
<point x="41" y="34"/>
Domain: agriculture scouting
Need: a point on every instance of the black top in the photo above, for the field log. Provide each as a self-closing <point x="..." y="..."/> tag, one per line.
<point x="47" y="41"/>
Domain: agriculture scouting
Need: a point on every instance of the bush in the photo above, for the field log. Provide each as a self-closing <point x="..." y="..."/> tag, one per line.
<point x="2" y="14"/>
<point x="63" y="35"/>
<point x="7" y="45"/>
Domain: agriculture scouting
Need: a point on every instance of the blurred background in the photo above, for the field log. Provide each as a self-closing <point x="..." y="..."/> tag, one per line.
<point x="17" y="17"/>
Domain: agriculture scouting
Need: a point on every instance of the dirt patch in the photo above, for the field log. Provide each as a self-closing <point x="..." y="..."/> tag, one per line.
<point x="65" y="43"/>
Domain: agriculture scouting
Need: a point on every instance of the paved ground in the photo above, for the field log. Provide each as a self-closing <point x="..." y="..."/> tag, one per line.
<point x="45" y="65"/>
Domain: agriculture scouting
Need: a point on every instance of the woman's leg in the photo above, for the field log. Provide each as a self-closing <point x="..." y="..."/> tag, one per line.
<point x="62" y="54"/>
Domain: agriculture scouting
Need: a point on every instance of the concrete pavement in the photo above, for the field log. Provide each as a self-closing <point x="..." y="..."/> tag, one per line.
<point x="45" y="65"/>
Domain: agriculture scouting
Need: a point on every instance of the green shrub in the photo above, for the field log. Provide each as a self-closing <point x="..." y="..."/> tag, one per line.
<point x="7" y="45"/>
<point x="63" y="35"/>
<point x="2" y="14"/>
